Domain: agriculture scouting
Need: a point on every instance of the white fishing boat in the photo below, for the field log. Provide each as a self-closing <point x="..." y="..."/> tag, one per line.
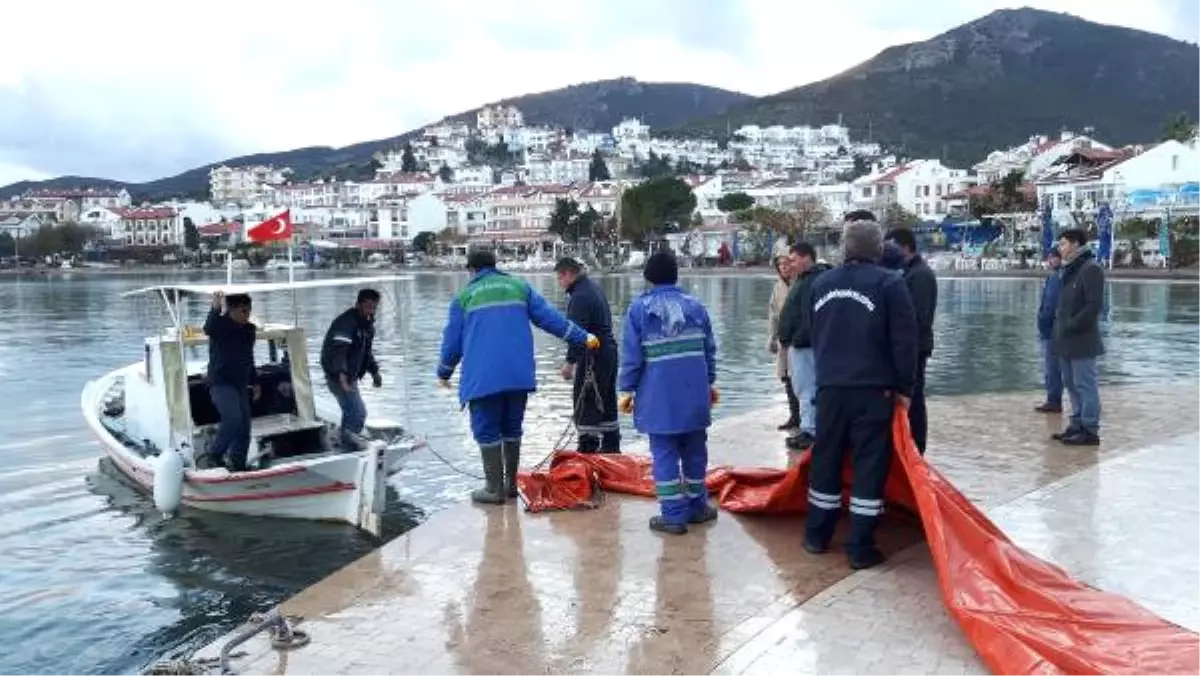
<point x="154" y="417"/>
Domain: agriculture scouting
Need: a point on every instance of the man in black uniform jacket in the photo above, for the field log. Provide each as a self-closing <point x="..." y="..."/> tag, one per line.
<point x="864" y="335"/>
<point x="596" y="412"/>
<point x="922" y="288"/>
<point x="231" y="379"/>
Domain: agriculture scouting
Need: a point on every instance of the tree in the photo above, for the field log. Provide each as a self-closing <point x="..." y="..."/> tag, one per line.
<point x="810" y="214"/>
<point x="1179" y="128"/>
<point x="764" y="225"/>
<point x="191" y="235"/>
<point x="563" y="218"/>
<point x="896" y="216"/>
<point x="598" y="171"/>
<point x="735" y="201"/>
<point x="424" y="242"/>
<point x="655" y="166"/>
<point x="656" y="207"/>
<point x="408" y="161"/>
<point x="446" y="174"/>
<point x="48" y="240"/>
<point x="8" y="245"/>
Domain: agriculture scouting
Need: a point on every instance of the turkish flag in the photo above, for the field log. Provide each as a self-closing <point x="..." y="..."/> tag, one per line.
<point x="278" y="228"/>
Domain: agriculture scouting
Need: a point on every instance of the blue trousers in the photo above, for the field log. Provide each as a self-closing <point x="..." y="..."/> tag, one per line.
<point x="1051" y="372"/>
<point x="803" y="370"/>
<point x="232" y="441"/>
<point x="680" y="462"/>
<point x="1079" y="379"/>
<point x="498" y="417"/>
<point x="354" y="411"/>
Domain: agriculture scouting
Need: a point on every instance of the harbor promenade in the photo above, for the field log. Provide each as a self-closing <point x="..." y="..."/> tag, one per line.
<point x="496" y="590"/>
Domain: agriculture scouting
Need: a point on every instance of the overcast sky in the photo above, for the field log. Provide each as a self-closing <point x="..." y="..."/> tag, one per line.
<point x="140" y="89"/>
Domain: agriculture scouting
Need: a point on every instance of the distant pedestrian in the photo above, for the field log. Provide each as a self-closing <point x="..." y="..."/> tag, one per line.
<point x="923" y="290"/>
<point x="1076" y="335"/>
<point x="232" y="379"/>
<point x="595" y="402"/>
<point x="795" y="331"/>
<point x="347" y="355"/>
<point x="488" y="331"/>
<point x="866" y="344"/>
<point x="667" y="380"/>
<point x="779" y="294"/>
<point x="1047" y="308"/>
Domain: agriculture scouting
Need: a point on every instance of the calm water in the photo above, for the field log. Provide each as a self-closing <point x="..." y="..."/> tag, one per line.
<point x="93" y="581"/>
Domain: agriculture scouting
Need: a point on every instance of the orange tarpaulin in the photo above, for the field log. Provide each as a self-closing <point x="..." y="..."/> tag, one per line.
<point x="1023" y="615"/>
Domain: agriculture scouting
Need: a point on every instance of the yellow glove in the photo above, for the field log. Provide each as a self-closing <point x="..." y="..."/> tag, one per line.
<point x="592" y="342"/>
<point x="625" y="404"/>
<point x="714" y="396"/>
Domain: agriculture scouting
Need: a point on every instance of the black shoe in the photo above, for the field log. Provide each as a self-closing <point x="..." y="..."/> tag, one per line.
<point x="709" y="514"/>
<point x="868" y="558"/>
<point x="791" y="423"/>
<point x="1048" y="408"/>
<point x="1069" y="432"/>
<point x="657" y="524"/>
<point x="208" y="461"/>
<point x="814" y="548"/>
<point x="801" y="441"/>
<point x="1084" y="438"/>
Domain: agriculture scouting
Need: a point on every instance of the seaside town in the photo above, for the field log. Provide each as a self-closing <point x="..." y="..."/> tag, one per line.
<point x="531" y="192"/>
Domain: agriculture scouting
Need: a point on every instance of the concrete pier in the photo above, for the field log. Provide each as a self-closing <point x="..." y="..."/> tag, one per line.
<point x="495" y="590"/>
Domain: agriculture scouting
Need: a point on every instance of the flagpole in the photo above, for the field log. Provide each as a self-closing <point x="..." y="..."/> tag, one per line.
<point x="229" y="266"/>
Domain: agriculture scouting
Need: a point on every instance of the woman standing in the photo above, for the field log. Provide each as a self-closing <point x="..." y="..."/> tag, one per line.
<point x="778" y="296"/>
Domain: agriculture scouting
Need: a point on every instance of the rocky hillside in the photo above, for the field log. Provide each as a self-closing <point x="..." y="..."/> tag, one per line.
<point x="593" y="105"/>
<point x="994" y="82"/>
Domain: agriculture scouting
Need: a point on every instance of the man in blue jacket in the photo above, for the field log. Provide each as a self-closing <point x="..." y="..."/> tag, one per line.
<point x="594" y="392"/>
<point x="667" y="376"/>
<point x="865" y="341"/>
<point x="231" y="379"/>
<point x="1051" y="373"/>
<point x="488" y="331"/>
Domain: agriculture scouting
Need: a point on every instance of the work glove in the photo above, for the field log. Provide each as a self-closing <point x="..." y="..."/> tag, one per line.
<point x="625" y="404"/>
<point x="592" y="342"/>
<point x="714" y="396"/>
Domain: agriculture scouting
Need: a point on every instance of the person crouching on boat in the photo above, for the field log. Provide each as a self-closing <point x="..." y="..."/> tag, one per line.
<point x="231" y="379"/>
<point x="488" y="331"/>
<point x="668" y="368"/>
<point x="346" y="356"/>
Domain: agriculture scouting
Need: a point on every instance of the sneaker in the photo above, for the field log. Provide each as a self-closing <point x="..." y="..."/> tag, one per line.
<point x="867" y="559"/>
<point x="658" y="525"/>
<point x="1083" y="438"/>
<point x="801" y="441"/>
<point x="1048" y="408"/>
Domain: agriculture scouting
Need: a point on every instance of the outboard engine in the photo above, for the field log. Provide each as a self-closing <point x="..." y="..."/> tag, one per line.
<point x="168" y="481"/>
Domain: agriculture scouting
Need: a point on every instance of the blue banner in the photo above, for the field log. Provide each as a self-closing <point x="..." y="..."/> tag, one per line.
<point x="1047" y="229"/>
<point x="1104" y="226"/>
<point x="1164" y="235"/>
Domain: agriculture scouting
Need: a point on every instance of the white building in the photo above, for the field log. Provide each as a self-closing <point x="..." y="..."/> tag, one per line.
<point x="520" y="214"/>
<point x="530" y="139"/>
<point x="150" y="226"/>
<point x="602" y="196"/>
<point x="396" y="185"/>
<point x="466" y="213"/>
<point x="480" y="175"/>
<point x="492" y="117"/>
<point x="557" y="169"/>
<point x="707" y="190"/>
<point x="632" y="138"/>
<point x="1033" y="157"/>
<point x="586" y="142"/>
<point x="82" y="198"/>
<point x="446" y="133"/>
<point x="244" y="184"/>
<point x="19" y="225"/>
<point x="106" y="221"/>
<point x="434" y="157"/>
<point x="922" y="186"/>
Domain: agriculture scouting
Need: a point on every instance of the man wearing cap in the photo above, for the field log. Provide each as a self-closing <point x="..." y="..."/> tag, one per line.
<point x="667" y="376"/>
<point x="865" y="342"/>
<point x="1051" y="372"/>
<point x="488" y="331"/>
<point x="594" y="399"/>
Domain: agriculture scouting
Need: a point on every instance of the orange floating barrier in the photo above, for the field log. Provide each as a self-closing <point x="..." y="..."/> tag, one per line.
<point x="1022" y="614"/>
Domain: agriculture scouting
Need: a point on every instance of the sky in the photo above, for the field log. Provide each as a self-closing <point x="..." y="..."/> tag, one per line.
<point x="141" y="89"/>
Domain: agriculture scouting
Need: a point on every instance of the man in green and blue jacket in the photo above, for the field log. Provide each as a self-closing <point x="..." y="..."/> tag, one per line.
<point x="488" y="331"/>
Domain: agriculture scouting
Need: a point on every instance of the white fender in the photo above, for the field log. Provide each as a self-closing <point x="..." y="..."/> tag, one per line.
<point x="168" y="481"/>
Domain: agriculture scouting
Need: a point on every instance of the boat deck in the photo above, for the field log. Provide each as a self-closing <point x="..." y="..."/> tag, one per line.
<point x="496" y="590"/>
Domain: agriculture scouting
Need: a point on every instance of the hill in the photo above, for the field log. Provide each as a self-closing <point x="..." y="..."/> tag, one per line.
<point x="992" y="83"/>
<point x="593" y="105"/>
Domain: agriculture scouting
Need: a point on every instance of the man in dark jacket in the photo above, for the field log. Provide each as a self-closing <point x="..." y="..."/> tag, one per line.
<point x="231" y="379"/>
<point x="795" y="332"/>
<point x="1076" y="336"/>
<point x="595" y="400"/>
<point x="923" y="290"/>
<point x="1051" y="373"/>
<point x="347" y="355"/>
<point x="865" y="338"/>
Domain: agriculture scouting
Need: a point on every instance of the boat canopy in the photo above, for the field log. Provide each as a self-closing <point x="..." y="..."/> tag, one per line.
<point x="264" y="287"/>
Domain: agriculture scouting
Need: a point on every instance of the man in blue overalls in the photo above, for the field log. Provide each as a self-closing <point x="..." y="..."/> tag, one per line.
<point x="668" y="368"/>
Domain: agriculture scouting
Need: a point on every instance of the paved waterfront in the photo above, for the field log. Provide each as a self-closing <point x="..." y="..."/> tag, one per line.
<point x="477" y="590"/>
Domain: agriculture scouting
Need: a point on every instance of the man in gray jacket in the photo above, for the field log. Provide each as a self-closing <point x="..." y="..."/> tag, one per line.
<point x="1076" y="336"/>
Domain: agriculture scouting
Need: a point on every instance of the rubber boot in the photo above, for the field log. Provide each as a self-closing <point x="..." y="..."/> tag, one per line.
<point x="512" y="463"/>
<point x="492" y="492"/>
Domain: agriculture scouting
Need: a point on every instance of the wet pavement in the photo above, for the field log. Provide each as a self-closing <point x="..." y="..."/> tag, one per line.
<point x="495" y="590"/>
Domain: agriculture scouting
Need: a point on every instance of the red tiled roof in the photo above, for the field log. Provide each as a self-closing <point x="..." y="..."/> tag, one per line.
<point x="220" y="228"/>
<point x="891" y="175"/>
<point x="134" y="213"/>
<point x="72" y="193"/>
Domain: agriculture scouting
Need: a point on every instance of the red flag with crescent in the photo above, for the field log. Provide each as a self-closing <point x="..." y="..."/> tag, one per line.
<point x="274" y="229"/>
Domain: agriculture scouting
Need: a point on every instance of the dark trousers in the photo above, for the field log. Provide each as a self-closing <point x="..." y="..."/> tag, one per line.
<point x="498" y="417"/>
<point x="859" y="419"/>
<point x="793" y="401"/>
<point x="354" y="411"/>
<point x="596" y="411"/>
<point x="232" y="441"/>
<point x="918" y="420"/>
